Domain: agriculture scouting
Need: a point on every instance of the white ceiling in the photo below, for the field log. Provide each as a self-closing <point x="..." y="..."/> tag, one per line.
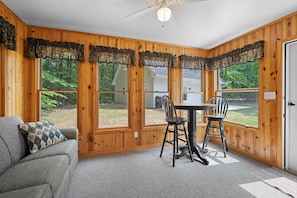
<point x="202" y="24"/>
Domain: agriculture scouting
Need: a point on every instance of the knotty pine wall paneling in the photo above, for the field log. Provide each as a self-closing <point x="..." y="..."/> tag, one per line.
<point x="91" y="139"/>
<point x="2" y="78"/>
<point x="264" y="143"/>
<point x="3" y="81"/>
<point x="12" y="69"/>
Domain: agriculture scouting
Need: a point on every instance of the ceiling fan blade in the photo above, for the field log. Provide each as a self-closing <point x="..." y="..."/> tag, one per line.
<point x="141" y="12"/>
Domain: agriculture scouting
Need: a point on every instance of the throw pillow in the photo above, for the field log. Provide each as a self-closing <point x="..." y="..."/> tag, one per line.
<point x="41" y="134"/>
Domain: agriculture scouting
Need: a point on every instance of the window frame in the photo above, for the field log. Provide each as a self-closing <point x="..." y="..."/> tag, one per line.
<point x="40" y="89"/>
<point x="239" y="90"/>
<point x="145" y="92"/>
<point x="97" y="92"/>
<point x="202" y="73"/>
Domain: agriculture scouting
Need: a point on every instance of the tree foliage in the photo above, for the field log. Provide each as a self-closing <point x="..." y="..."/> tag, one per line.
<point x="241" y="76"/>
<point x="58" y="76"/>
<point x="106" y="76"/>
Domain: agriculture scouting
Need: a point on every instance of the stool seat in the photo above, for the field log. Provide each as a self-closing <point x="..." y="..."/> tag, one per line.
<point x="178" y="120"/>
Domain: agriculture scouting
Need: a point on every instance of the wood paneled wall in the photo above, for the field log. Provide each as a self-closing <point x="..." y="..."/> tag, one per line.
<point x="19" y="91"/>
<point x="263" y="143"/>
<point x="12" y="68"/>
<point x="92" y="140"/>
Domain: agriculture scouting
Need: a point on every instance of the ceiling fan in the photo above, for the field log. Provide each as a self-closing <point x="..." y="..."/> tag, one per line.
<point x="164" y="13"/>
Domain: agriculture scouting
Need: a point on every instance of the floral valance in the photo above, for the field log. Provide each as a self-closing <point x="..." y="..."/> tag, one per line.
<point x="7" y="34"/>
<point x="103" y="54"/>
<point x="39" y="48"/>
<point x="156" y="59"/>
<point x="248" y="53"/>
<point x="189" y="62"/>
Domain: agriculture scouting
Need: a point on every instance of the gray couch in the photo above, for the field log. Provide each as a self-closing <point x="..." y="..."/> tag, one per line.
<point x="46" y="173"/>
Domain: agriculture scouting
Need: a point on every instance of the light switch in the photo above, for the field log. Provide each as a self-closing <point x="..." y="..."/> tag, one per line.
<point x="269" y="95"/>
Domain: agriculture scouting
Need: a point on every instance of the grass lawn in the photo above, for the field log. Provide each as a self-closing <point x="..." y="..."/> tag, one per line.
<point x="246" y="116"/>
<point x="63" y="118"/>
<point x="118" y="117"/>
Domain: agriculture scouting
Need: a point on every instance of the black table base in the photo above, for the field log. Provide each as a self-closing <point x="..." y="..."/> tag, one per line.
<point x="196" y="149"/>
<point x="198" y="152"/>
<point x="192" y="136"/>
<point x="192" y="130"/>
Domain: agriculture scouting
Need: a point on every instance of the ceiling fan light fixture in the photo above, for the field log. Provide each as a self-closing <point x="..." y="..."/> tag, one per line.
<point x="164" y="14"/>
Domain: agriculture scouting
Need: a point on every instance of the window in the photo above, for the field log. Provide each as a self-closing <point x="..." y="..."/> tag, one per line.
<point x="58" y="91"/>
<point x="239" y="84"/>
<point x="113" y="95"/>
<point x="155" y="86"/>
<point x="192" y="89"/>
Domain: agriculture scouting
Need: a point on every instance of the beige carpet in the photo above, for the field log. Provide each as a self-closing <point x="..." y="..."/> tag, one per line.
<point x="143" y="174"/>
<point x="272" y="183"/>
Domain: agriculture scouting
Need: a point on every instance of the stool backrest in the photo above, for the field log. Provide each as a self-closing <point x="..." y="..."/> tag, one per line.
<point x="221" y="106"/>
<point x="170" y="111"/>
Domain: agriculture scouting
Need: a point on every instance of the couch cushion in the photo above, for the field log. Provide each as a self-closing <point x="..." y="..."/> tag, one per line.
<point x="41" y="134"/>
<point x="70" y="133"/>
<point x="42" y="191"/>
<point x="68" y="148"/>
<point x="15" y="141"/>
<point x="5" y="158"/>
<point x="49" y="170"/>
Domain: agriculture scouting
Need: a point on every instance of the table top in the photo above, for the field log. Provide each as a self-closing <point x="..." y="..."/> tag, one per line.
<point x="194" y="106"/>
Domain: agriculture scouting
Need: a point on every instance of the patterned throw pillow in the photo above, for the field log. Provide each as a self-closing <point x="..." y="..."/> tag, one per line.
<point x="41" y="134"/>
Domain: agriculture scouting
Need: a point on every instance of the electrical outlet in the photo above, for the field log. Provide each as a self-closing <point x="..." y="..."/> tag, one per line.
<point x="135" y="134"/>
<point x="269" y="95"/>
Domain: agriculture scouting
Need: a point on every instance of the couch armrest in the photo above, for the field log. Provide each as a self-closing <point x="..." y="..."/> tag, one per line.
<point x="70" y="133"/>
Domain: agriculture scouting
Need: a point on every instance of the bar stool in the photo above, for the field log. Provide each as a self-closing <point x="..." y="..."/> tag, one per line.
<point x="215" y="119"/>
<point x="173" y="120"/>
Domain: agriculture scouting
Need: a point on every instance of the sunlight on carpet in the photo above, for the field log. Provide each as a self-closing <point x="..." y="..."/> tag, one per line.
<point x="215" y="157"/>
<point x="262" y="190"/>
<point x="211" y="161"/>
<point x="284" y="184"/>
<point x="272" y="183"/>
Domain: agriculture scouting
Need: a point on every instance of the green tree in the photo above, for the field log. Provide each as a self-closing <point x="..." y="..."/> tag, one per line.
<point x="58" y="75"/>
<point x="240" y="76"/>
<point x="106" y="77"/>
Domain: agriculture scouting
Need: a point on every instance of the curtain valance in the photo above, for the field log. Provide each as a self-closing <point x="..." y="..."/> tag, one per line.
<point x="156" y="59"/>
<point x="104" y="54"/>
<point x="7" y="34"/>
<point x="248" y="53"/>
<point x="188" y="62"/>
<point x="39" y="48"/>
